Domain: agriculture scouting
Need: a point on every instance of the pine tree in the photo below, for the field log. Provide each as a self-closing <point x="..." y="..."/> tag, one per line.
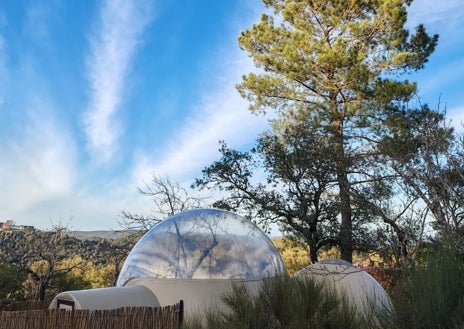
<point x="335" y="64"/>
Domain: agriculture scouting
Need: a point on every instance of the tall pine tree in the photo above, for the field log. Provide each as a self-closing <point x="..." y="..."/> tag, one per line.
<point x="335" y="64"/>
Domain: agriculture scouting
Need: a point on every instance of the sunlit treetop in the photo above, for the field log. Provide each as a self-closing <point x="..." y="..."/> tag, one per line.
<point x="320" y="54"/>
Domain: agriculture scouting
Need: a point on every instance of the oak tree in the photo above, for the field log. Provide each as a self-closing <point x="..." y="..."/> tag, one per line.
<point x="295" y="190"/>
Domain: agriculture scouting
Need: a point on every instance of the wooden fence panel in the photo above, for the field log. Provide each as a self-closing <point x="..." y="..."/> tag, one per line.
<point x="123" y="318"/>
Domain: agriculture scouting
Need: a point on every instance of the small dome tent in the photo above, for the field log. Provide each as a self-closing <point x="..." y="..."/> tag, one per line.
<point x="352" y="282"/>
<point x="198" y="255"/>
<point x="105" y="298"/>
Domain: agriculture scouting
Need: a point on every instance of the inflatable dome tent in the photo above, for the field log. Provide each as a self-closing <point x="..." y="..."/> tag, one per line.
<point x="358" y="286"/>
<point x="195" y="256"/>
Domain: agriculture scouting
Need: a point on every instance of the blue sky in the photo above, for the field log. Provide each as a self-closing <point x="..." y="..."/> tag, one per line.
<point x="96" y="96"/>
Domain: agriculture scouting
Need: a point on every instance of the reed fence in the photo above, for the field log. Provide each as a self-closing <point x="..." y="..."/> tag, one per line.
<point x="168" y="317"/>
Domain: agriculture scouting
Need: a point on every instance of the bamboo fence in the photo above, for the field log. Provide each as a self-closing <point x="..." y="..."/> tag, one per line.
<point x="168" y="317"/>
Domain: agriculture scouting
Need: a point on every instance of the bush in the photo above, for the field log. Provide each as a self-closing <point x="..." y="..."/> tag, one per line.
<point x="10" y="284"/>
<point x="431" y="295"/>
<point x="282" y="302"/>
<point x="428" y="296"/>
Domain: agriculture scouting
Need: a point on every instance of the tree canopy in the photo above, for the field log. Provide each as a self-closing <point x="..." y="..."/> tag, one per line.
<point x="335" y="65"/>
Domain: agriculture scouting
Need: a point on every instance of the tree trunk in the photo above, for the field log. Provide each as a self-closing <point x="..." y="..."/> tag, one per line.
<point x="312" y="251"/>
<point x="43" y="284"/>
<point x="346" y="228"/>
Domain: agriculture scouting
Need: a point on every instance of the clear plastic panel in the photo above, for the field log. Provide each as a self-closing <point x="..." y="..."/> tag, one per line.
<point x="203" y="244"/>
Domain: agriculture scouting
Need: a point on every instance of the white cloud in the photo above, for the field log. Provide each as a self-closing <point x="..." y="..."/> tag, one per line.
<point x="445" y="13"/>
<point x="120" y="29"/>
<point x="220" y="114"/>
<point x="37" y="151"/>
<point x="456" y="115"/>
<point x="441" y="17"/>
<point x="3" y="50"/>
<point x="39" y="164"/>
<point x="38" y="17"/>
<point x="88" y="209"/>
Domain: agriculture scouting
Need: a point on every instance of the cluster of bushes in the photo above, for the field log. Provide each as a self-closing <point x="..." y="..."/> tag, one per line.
<point x="36" y="265"/>
<point x="69" y="274"/>
<point x="429" y="295"/>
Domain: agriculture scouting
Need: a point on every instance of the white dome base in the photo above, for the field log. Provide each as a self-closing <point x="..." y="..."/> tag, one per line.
<point x="199" y="295"/>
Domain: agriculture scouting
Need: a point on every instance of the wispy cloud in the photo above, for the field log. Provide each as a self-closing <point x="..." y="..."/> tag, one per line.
<point x="445" y="13"/>
<point x="456" y="115"/>
<point x="117" y="38"/>
<point x="37" y="150"/>
<point x="38" y="16"/>
<point x="442" y="17"/>
<point x="444" y="76"/>
<point x="220" y="114"/>
<point x="3" y="25"/>
<point x="38" y="164"/>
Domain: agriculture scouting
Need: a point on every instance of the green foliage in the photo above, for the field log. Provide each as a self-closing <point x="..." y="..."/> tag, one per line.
<point x="46" y="263"/>
<point x="428" y="296"/>
<point x="294" y="254"/>
<point x="332" y="50"/>
<point x="296" y="192"/>
<point x="282" y="302"/>
<point x="335" y="65"/>
<point x="431" y="294"/>
<point x="69" y="282"/>
<point x="414" y="132"/>
<point x="10" y="284"/>
<point x="38" y="254"/>
<point x="100" y="276"/>
<point x="426" y="154"/>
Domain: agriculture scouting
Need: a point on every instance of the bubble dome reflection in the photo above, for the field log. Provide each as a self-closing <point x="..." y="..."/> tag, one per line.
<point x="203" y="244"/>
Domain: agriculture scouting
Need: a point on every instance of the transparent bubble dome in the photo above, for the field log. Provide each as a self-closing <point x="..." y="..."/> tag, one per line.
<point x="203" y="244"/>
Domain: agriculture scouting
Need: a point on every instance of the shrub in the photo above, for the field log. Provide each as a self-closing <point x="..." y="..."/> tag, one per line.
<point x="431" y="295"/>
<point x="281" y="303"/>
<point x="428" y="296"/>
